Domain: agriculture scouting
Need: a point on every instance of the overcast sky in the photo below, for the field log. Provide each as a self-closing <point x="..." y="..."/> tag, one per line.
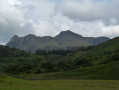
<point x="50" y="17"/>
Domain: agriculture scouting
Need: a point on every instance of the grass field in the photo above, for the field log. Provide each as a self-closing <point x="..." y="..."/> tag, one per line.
<point x="9" y="83"/>
<point x="62" y="85"/>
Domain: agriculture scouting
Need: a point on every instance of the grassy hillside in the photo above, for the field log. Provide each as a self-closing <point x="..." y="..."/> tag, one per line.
<point x="105" y="71"/>
<point x="104" y="53"/>
<point x="93" y="68"/>
<point x="100" y="62"/>
<point x="109" y="45"/>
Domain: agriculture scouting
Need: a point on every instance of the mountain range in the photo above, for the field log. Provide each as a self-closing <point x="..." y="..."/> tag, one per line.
<point x="99" y="62"/>
<point x="64" y="40"/>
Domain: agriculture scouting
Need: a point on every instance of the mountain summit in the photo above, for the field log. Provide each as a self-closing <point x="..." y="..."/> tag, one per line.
<point x="65" y="40"/>
<point x="68" y="32"/>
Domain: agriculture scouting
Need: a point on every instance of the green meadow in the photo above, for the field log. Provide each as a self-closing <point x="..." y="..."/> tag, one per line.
<point x="8" y="83"/>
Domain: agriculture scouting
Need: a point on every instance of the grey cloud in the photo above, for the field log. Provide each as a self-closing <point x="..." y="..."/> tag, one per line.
<point x="90" y="10"/>
<point x="49" y="17"/>
<point x="10" y="28"/>
<point x="12" y="22"/>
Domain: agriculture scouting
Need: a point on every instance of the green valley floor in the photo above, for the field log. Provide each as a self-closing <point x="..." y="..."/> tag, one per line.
<point x="9" y="83"/>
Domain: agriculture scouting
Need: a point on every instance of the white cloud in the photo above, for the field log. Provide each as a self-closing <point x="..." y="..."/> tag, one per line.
<point x="14" y="2"/>
<point x="49" y="17"/>
<point x="111" y="31"/>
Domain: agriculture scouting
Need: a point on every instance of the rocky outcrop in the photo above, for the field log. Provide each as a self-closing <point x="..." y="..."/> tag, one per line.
<point x="65" y="40"/>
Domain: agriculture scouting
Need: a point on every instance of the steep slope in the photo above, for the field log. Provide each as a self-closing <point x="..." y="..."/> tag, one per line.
<point x="106" y="52"/>
<point x="101" y="62"/>
<point x="65" y="40"/>
<point x="68" y="39"/>
<point x="109" y="45"/>
<point x="33" y="43"/>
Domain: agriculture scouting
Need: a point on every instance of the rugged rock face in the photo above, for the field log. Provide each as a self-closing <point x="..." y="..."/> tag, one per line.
<point x="65" y="40"/>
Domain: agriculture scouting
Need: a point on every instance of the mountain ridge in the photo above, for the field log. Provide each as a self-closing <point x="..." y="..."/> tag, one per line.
<point x="64" y="40"/>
